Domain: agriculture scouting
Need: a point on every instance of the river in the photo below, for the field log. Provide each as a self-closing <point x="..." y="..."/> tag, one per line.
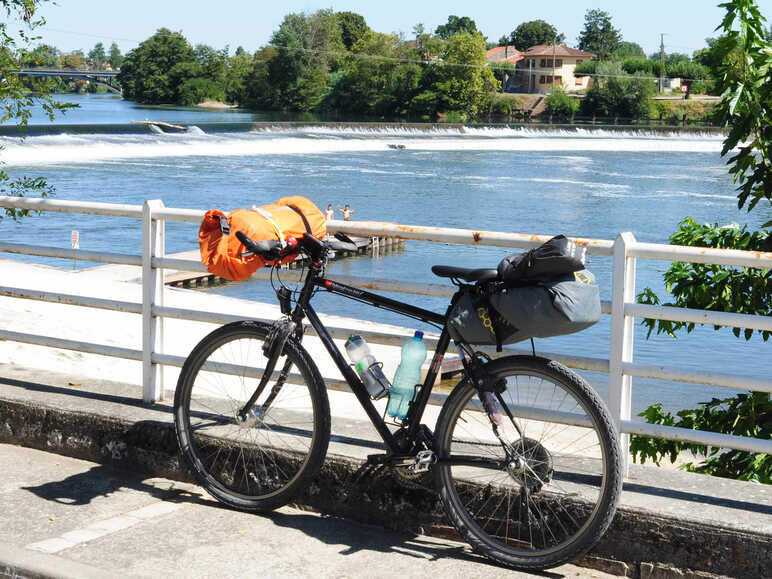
<point x="580" y="183"/>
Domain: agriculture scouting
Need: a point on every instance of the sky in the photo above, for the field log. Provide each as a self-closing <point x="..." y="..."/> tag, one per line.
<point x="80" y="24"/>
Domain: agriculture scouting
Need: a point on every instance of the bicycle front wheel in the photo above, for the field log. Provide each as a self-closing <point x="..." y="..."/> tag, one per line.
<point x="541" y="487"/>
<point x="261" y="460"/>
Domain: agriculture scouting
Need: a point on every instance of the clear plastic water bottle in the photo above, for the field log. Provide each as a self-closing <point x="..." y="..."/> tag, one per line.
<point x="407" y="376"/>
<point x="369" y="370"/>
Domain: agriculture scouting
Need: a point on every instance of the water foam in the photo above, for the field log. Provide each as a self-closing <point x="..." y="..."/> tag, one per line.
<point x="84" y="148"/>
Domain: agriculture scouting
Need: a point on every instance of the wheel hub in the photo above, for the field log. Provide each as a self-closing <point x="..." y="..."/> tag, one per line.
<point x="532" y="465"/>
<point x="252" y="419"/>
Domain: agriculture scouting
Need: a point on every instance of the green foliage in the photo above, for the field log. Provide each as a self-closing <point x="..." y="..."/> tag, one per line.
<point x="587" y="67"/>
<point x="742" y="56"/>
<point x="531" y="33"/>
<point x="115" y="58"/>
<point x="628" y="50"/>
<point x="462" y="88"/>
<point x="743" y="415"/>
<point x="746" y="104"/>
<point x="501" y="69"/>
<point x="199" y="89"/>
<point x="97" y="54"/>
<point x="308" y="48"/>
<point x="154" y="72"/>
<point x="615" y="94"/>
<point x="560" y="105"/>
<point x="598" y="35"/>
<point x="455" y="25"/>
<point x="714" y="287"/>
<point x="16" y="34"/>
<point x="503" y="104"/>
<point x="42" y="56"/>
<point x="237" y="75"/>
<point x="352" y="28"/>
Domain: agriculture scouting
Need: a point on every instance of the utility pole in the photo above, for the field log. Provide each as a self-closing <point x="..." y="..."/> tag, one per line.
<point x="662" y="62"/>
<point x="553" y="65"/>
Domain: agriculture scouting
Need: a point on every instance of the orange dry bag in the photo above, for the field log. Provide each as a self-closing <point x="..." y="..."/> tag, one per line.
<point x="221" y="251"/>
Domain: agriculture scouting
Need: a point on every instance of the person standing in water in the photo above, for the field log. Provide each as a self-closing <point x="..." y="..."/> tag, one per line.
<point x="347" y="212"/>
<point x="330" y="213"/>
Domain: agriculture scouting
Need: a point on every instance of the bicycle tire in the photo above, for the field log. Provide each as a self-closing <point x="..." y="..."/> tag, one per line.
<point x="263" y="462"/>
<point x="555" y="503"/>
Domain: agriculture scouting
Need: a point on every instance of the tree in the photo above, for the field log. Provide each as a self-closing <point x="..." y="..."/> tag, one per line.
<point x="115" y="59"/>
<point x="153" y="72"/>
<point x="531" y="33"/>
<point x="460" y="82"/>
<point x="559" y="105"/>
<point x="598" y="35"/>
<point x="617" y="94"/>
<point x="454" y="25"/>
<point x="97" y="54"/>
<point x="743" y="59"/>
<point x="73" y="59"/>
<point x="352" y="27"/>
<point x="43" y="55"/>
<point x="628" y="50"/>
<point x="239" y="67"/>
<point x="212" y="64"/>
<point x="16" y="102"/>
<point x="308" y="49"/>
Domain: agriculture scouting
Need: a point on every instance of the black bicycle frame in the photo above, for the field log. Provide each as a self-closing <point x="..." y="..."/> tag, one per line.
<point x="416" y="410"/>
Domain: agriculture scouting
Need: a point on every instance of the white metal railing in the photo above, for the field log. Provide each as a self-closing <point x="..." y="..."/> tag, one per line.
<point x="622" y="307"/>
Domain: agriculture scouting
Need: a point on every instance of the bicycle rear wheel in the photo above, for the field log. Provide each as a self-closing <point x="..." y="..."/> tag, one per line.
<point x="261" y="461"/>
<point x="543" y="490"/>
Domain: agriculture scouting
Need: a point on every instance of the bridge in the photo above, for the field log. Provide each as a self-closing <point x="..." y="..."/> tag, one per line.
<point x="102" y="77"/>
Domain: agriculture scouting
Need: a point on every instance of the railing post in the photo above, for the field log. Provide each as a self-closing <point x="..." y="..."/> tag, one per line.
<point x="153" y="244"/>
<point x="620" y="385"/>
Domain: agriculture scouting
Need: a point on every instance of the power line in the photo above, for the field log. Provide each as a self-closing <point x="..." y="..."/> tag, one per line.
<point x="102" y="37"/>
<point x="377" y="57"/>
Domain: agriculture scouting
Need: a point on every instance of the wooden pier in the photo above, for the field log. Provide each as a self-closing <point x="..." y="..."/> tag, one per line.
<point x="373" y="246"/>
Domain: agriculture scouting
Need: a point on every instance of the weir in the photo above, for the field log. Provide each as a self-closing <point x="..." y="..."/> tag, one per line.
<point x="160" y="308"/>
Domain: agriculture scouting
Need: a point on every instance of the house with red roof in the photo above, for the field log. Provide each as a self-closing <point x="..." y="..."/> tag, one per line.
<point x="537" y="66"/>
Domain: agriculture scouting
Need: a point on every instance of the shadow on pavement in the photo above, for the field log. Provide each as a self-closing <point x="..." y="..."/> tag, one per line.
<point x="353" y="537"/>
<point x="105" y="480"/>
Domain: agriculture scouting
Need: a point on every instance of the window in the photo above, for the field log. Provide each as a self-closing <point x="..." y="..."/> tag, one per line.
<point x="542" y="79"/>
<point x="579" y="80"/>
<point x="558" y="63"/>
<point x="543" y="63"/>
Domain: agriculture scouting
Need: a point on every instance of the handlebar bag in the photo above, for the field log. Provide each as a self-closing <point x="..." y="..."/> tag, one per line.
<point x="551" y="306"/>
<point x="224" y="255"/>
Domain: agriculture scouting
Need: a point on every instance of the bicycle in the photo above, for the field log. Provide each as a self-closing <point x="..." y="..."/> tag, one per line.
<point x="524" y="454"/>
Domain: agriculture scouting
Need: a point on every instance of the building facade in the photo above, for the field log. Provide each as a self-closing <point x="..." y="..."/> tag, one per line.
<point x="539" y="65"/>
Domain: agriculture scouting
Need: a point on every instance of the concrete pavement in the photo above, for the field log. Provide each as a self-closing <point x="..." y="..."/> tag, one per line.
<point x="65" y="517"/>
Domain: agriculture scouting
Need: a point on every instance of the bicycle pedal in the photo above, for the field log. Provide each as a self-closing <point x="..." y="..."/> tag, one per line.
<point x="423" y="461"/>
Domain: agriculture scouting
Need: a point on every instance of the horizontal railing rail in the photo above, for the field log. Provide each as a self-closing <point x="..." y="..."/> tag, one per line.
<point x="625" y="250"/>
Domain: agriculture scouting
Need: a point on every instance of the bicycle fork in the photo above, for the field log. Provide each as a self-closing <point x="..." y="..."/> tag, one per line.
<point x="277" y="338"/>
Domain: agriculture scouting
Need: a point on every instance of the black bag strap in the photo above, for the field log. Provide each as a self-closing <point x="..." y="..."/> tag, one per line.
<point x="297" y="210"/>
<point x="494" y="317"/>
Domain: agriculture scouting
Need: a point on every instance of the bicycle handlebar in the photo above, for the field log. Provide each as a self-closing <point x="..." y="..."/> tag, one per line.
<point x="271" y="249"/>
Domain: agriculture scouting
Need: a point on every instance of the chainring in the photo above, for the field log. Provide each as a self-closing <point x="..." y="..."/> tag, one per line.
<point x="408" y="478"/>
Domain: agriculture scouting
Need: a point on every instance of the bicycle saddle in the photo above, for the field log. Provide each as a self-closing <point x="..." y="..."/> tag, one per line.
<point x="465" y="273"/>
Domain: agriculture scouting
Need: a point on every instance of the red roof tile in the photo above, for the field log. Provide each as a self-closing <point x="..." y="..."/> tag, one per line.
<point x="502" y="53"/>
<point x="560" y="50"/>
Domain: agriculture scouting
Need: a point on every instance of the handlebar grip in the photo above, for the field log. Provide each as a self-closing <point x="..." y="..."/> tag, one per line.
<point x="268" y="249"/>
